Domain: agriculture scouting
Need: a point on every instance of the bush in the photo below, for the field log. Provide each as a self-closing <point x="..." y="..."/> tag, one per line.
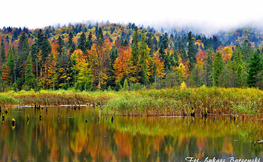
<point x="138" y="86"/>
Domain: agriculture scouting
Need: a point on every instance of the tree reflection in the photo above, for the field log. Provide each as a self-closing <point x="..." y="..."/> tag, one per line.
<point x="71" y="138"/>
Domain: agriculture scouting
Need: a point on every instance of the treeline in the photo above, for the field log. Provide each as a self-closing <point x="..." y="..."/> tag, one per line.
<point x="112" y="56"/>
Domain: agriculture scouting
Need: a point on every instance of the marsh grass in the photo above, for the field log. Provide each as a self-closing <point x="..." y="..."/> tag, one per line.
<point x="170" y="102"/>
<point x="164" y="102"/>
<point x="54" y="98"/>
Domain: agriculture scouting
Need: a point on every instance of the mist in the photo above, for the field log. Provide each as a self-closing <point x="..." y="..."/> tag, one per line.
<point x="206" y="16"/>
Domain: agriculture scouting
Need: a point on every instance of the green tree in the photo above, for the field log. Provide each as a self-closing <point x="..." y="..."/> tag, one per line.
<point x="46" y="49"/>
<point x="89" y="41"/>
<point x="144" y="54"/>
<point x="23" y="51"/>
<point x="3" y="55"/>
<point x="150" y="42"/>
<point x="81" y="42"/>
<point x="125" y="85"/>
<point x="29" y="76"/>
<point x="239" y="76"/>
<point x="60" y="45"/>
<point x="182" y="52"/>
<point x="247" y="51"/>
<point x="218" y="67"/>
<point x="191" y="50"/>
<point x="70" y="39"/>
<point x="11" y="64"/>
<point x="208" y="66"/>
<point x="255" y="65"/>
<point x="135" y="54"/>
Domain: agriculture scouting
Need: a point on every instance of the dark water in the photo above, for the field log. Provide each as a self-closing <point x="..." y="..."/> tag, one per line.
<point x="64" y="135"/>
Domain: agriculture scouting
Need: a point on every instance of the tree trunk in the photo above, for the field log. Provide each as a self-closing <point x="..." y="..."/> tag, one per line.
<point x="85" y="86"/>
<point x="36" y="76"/>
<point x="91" y="85"/>
<point x="54" y="84"/>
<point x="99" y="78"/>
<point x="15" y="81"/>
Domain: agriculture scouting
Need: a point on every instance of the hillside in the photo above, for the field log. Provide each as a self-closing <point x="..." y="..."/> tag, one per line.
<point x="103" y="56"/>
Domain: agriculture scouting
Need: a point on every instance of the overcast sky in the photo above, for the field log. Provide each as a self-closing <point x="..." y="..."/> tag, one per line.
<point x="208" y="13"/>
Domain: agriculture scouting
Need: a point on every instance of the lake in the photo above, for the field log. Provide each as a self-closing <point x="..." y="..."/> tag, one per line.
<point x="65" y="134"/>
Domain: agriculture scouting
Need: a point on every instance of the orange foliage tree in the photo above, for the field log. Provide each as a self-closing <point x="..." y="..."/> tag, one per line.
<point x="98" y="56"/>
<point x="123" y="64"/>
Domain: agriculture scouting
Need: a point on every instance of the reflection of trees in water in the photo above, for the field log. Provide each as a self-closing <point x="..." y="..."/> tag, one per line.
<point x="70" y="138"/>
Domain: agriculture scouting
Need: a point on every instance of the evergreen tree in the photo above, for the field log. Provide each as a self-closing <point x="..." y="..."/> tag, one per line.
<point x="150" y="42"/>
<point x="209" y="62"/>
<point x="11" y="64"/>
<point x="60" y="45"/>
<point x="46" y="49"/>
<point x="218" y="67"/>
<point x="144" y="53"/>
<point x="255" y="65"/>
<point x="73" y="48"/>
<point x="70" y="39"/>
<point x="191" y="50"/>
<point x="125" y="85"/>
<point x="23" y="48"/>
<point x="183" y="53"/>
<point x="34" y="51"/>
<point x="135" y="53"/>
<point x="247" y="51"/>
<point x="40" y="39"/>
<point x="174" y="60"/>
<point x="239" y="76"/>
<point x="81" y="42"/>
<point x="100" y="38"/>
<point x="216" y="43"/>
<point x="89" y="41"/>
<point x="29" y="76"/>
<point x="3" y="55"/>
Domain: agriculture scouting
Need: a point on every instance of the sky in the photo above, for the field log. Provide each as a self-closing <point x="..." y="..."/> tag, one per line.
<point x="207" y="14"/>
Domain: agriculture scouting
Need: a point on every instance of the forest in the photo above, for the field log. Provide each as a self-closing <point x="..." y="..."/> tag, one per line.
<point x="110" y="56"/>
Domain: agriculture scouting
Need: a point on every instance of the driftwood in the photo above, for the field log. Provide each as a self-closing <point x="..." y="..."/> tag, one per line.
<point x="259" y="142"/>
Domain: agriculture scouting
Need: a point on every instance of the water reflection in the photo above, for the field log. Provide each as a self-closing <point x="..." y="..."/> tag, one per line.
<point x="65" y="134"/>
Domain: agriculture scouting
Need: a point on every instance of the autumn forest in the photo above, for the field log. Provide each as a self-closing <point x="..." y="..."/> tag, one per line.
<point x="104" y="56"/>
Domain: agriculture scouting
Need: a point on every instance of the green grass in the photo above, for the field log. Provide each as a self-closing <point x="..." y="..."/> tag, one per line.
<point x="175" y="101"/>
<point x="167" y="102"/>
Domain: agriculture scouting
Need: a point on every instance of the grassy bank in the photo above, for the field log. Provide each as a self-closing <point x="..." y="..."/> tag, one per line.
<point x="178" y="101"/>
<point x="11" y="99"/>
<point x="168" y="102"/>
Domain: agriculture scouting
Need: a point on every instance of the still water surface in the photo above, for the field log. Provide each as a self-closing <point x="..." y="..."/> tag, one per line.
<point x="64" y="135"/>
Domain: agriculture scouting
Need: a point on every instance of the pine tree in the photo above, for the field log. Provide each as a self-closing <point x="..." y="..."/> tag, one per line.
<point x="218" y="67"/>
<point x="81" y="42"/>
<point x="11" y="64"/>
<point x="89" y="41"/>
<point x="23" y="48"/>
<point x="60" y="44"/>
<point x="3" y="55"/>
<point x="70" y="39"/>
<point x="191" y="50"/>
<point x="72" y="48"/>
<point x="209" y="63"/>
<point x="29" y="76"/>
<point x="125" y="85"/>
<point x="150" y="42"/>
<point x="247" y="51"/>
<point x="135" y="54"/>
<point x="255" y="65"/>
<point x="239" y="76"/>
<point x="144" y="53"/>
<point x="46" y="49"/>
<point x="100" y="38"/>
<point x="174" y="60"/>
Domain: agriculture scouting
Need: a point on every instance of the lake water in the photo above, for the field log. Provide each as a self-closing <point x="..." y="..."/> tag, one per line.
<point x="63" y="134"/>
